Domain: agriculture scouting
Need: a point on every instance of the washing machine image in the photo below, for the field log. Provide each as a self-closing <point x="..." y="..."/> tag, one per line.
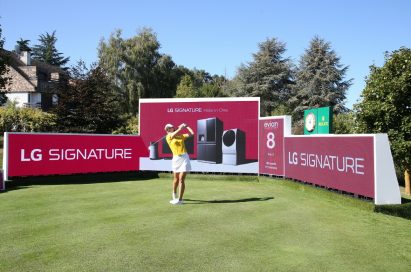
<point x="233" y="146"/>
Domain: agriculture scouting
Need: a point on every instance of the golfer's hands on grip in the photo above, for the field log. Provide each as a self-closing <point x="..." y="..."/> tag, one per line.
<point x="183" y="125"/>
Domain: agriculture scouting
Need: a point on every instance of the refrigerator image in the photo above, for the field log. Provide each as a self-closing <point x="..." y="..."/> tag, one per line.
<point x="209" y="140"/>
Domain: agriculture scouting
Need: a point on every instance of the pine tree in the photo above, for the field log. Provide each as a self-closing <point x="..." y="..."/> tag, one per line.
<point x="268" y="76"/>
<point x="24" y="45"/>
<point x="47" y="52"/>
<point x="319" y="80"/>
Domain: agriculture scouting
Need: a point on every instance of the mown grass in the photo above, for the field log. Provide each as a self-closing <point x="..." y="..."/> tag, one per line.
<point x="227" y="224"/>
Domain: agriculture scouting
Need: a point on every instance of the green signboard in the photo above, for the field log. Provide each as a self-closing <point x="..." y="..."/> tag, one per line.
<point x="318" y="121"/>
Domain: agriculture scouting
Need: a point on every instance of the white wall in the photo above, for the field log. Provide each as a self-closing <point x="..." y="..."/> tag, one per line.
<point x="20" y="98"/>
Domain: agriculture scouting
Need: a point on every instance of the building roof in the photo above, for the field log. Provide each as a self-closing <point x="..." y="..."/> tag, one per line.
<point x="36" y="77"/>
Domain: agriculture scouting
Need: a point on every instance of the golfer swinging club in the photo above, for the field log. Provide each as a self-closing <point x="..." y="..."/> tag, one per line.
<point x="181" y="162"/>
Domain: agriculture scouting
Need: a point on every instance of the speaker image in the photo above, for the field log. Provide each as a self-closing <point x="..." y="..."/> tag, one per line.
<point x="233" y="146"/>
<point x="209" y="140"/>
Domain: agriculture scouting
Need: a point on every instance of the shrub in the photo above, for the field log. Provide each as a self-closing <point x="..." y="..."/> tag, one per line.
<point x="15" y="119"/>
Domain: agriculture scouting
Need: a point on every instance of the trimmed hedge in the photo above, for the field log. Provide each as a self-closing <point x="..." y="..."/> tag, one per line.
<point x="400" y="210"/>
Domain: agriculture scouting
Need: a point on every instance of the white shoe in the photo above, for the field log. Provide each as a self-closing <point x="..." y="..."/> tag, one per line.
<point x="176" y="202"/>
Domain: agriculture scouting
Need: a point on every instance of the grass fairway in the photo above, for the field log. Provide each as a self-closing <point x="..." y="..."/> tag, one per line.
<point x="227" y="224"/>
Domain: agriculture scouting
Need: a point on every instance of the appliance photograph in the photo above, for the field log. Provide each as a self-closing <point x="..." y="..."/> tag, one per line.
<point x="209" y="140"/>
<point x="233" y="147"/>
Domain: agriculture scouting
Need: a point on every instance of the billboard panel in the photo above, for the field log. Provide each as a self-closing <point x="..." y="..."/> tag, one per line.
<point x="324" y="120"/>
<point x="225" y="133"/>
<point x="37" y="154"/>
<point x="340" y="162"/>
<point x="271" y="148"/>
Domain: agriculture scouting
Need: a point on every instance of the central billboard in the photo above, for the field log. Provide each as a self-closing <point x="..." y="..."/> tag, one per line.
<point x="225" y="133"/>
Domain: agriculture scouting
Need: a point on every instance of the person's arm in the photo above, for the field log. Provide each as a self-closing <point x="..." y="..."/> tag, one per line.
<point x="175" y="132"/>
<point x="190" y="130"/>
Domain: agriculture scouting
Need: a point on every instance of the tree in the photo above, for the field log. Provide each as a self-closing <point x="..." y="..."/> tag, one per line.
<point x="268" y="76"/>
<point x="186" y="87"/>
<point x="319" y="80"/>
<point x="88" y="103"/>
<point x="47" y="52"/>
<point x="386" y="106"/>
<point x="137" y="68"/>
<point x="24" y="45"/>
<point x="4" y="79"/>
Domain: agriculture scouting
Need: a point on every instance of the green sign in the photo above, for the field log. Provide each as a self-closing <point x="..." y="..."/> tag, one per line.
<point x="318" y="121"/>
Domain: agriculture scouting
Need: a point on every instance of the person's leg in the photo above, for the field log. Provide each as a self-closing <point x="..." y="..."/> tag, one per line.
<point x="175" y="184"/>
<point x="182" y="177"/>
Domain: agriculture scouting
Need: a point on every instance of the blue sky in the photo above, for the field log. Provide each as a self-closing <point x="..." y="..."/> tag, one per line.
<point x="218" y="36"/>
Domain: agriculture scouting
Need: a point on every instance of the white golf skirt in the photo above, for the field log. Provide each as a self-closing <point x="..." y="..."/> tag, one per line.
<point x="181" y="163"/>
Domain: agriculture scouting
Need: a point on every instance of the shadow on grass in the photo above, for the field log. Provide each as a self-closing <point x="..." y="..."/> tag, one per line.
<point x="21" y="183"/>
<point x="198" y="201"/>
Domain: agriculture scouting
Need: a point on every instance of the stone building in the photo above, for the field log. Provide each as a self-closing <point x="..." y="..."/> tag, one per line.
<point x="32" y="83"/>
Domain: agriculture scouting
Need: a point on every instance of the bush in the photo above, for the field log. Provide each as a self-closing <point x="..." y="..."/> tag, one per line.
<point x="400" y="210"/>
<point x="130" y="125"/>
<point x="14" y="119"/>
<point x="344" y="123"/>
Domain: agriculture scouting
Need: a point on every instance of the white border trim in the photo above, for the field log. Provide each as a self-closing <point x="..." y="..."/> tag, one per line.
<point x="201" y="99"/>
<point x="386" y="188"/>
<point x="332" y="135"/>
<point x="75" y="134"/>
<point x="5" y="159"/>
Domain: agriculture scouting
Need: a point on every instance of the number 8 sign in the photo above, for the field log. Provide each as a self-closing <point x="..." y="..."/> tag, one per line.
<point x="270" y="140"/>
<point x="271" y="147"/>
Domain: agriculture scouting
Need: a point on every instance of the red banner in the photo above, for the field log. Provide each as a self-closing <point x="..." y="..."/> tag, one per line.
<point x="271" y="150"/>
<point x="31" y="154"/>
<point x="343" y="163"/>
<point x="225" y="133"/>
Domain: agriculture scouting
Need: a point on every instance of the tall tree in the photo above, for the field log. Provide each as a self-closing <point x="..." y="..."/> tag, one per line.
<point x="24" y="45"/>
<point x="319" y="80"/>
<point x="47" y="52"/>
<point x="386" y="106"/>
<point x="88" y="103"/>
<point x="268" y="76"/>
<point x="4" y="79"/>
<point x="137" y="68"/>
<point x="186" y="88"/>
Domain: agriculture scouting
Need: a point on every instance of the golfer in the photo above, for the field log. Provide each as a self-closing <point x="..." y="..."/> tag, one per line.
<point x="181" y="162"/>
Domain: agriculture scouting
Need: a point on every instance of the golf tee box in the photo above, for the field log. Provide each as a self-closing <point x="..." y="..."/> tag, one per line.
<point x="229" y="137"/>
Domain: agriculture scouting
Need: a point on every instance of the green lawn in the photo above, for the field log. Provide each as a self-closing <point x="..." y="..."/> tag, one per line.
<point x="227" y="224"/>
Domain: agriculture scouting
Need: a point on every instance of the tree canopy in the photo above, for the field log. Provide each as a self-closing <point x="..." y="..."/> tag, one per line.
<point x="47" y="52"/>
<point x="319" y="80"/>
<point x="88" y="103"/>
<point x="3" y="71"/>
<point x="137" y="68"/>
<point x="385" y="105"/>
<point x="268" y="76"/>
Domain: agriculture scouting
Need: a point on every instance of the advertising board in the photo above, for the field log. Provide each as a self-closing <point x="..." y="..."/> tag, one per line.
<point x="271" y="148"/>
<point x="38" y="154"/>
<point x="359" y="164"/>
<point x="225" y="133"/>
